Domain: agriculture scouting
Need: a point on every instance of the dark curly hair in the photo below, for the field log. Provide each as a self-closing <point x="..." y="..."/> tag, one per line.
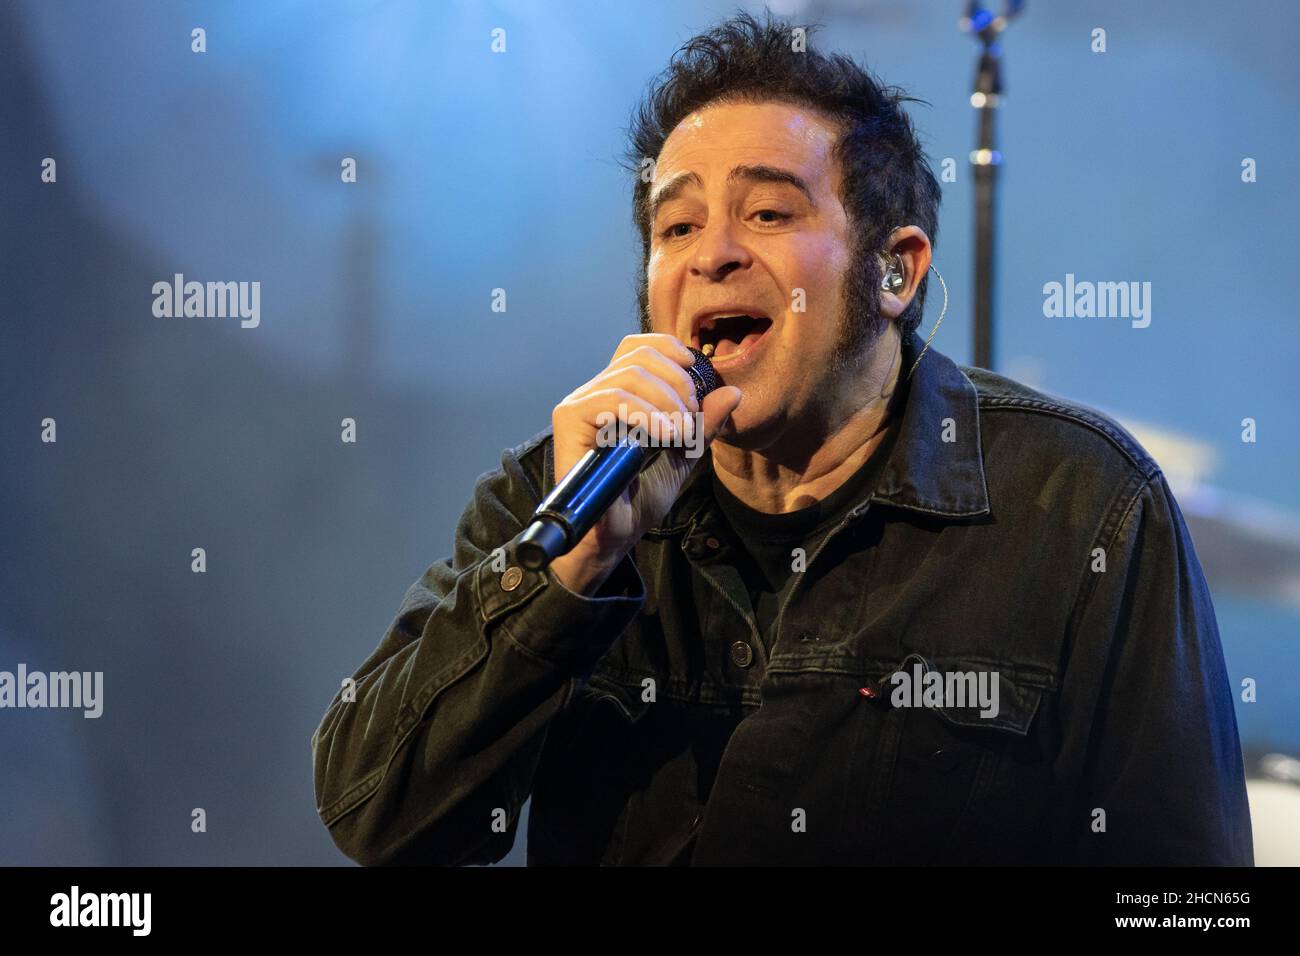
<point x="887" y="181"/>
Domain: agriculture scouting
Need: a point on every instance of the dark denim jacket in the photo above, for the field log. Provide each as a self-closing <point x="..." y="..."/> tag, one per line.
<point x="1011" y="533"/>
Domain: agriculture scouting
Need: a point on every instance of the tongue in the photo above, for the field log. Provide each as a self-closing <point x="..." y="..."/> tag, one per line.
<point x="727" y="346"/>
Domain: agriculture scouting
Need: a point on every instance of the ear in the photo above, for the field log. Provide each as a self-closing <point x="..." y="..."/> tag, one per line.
<point x="912" y="246"/>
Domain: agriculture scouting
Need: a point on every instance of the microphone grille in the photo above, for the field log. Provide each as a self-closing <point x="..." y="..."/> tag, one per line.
<point x="703" y="374"/>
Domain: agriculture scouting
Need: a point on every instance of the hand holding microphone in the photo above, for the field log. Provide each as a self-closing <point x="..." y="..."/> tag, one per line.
<point x="647" y="376"/>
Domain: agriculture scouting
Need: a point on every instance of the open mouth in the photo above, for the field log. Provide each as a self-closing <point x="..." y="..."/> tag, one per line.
<point x="730" y="333"/>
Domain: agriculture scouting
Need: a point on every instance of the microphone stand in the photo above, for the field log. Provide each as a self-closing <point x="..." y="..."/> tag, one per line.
<point x="985" y="158"/>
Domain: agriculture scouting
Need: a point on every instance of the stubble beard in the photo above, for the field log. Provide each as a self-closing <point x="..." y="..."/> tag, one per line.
<point x="860" y="323"/>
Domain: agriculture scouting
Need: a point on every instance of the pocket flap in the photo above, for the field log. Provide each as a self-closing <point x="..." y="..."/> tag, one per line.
<point x="983" y="694"/>
<point x="627" y="697"/>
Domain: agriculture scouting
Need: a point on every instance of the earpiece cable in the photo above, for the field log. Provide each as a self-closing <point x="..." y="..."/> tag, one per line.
<point x="936" y="322"/>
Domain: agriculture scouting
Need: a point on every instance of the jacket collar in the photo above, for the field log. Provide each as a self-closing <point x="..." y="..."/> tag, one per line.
<point x="935" y="466"/>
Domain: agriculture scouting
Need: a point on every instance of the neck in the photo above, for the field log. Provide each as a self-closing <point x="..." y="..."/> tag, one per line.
<point x="819" y="452"/>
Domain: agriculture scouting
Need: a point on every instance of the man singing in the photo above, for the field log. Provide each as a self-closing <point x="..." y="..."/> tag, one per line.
<point x="897" y="611"/>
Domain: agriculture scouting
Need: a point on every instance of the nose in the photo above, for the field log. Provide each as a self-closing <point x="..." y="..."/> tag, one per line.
<point x="717" y="252"/>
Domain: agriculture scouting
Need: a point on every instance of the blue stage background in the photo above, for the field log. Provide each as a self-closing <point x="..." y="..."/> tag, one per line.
<point x="479" y="171"/>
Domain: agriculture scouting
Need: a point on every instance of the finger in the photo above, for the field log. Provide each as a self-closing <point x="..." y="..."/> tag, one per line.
<point x="601" y="408"/>
<point x="577" y="424"/>
<point x="666" y="369"/>
<point x="717" y="408"/>
<point x="669" y="345"/>
<point x="644" y="383"/>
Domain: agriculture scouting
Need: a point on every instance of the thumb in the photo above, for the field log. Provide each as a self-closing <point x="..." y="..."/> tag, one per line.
<point x="717" y="408"/>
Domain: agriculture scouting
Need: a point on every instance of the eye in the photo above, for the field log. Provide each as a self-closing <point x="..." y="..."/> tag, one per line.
<point x="778" y="216"/>
<point x="670" y="234"/>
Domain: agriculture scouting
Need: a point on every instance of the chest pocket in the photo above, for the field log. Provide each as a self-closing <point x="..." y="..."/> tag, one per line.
<point x="962" y="761"/>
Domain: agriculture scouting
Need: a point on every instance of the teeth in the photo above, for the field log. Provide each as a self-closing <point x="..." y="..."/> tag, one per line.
<point x="707" y="333"/>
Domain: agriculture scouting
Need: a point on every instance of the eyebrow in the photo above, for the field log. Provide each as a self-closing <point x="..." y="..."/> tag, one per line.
<point x="754" y="174"/>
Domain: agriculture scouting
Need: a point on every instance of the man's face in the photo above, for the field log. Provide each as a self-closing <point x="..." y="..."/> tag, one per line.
<point x="746" y="217"/>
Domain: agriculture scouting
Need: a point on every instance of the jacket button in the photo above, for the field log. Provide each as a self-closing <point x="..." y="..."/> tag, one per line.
<point x="511" y="578"/>
<point x="741" y="654"/>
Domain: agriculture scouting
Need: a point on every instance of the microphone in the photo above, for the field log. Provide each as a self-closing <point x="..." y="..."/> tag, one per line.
<point x="595" y="483"/>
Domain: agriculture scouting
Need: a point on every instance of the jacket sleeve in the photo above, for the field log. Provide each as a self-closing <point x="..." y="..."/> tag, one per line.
<point x="1150" y="735"/>
<point x="430" y="757"/>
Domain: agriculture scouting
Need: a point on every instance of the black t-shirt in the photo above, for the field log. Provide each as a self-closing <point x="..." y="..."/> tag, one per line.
<point x="767" y="541"/>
